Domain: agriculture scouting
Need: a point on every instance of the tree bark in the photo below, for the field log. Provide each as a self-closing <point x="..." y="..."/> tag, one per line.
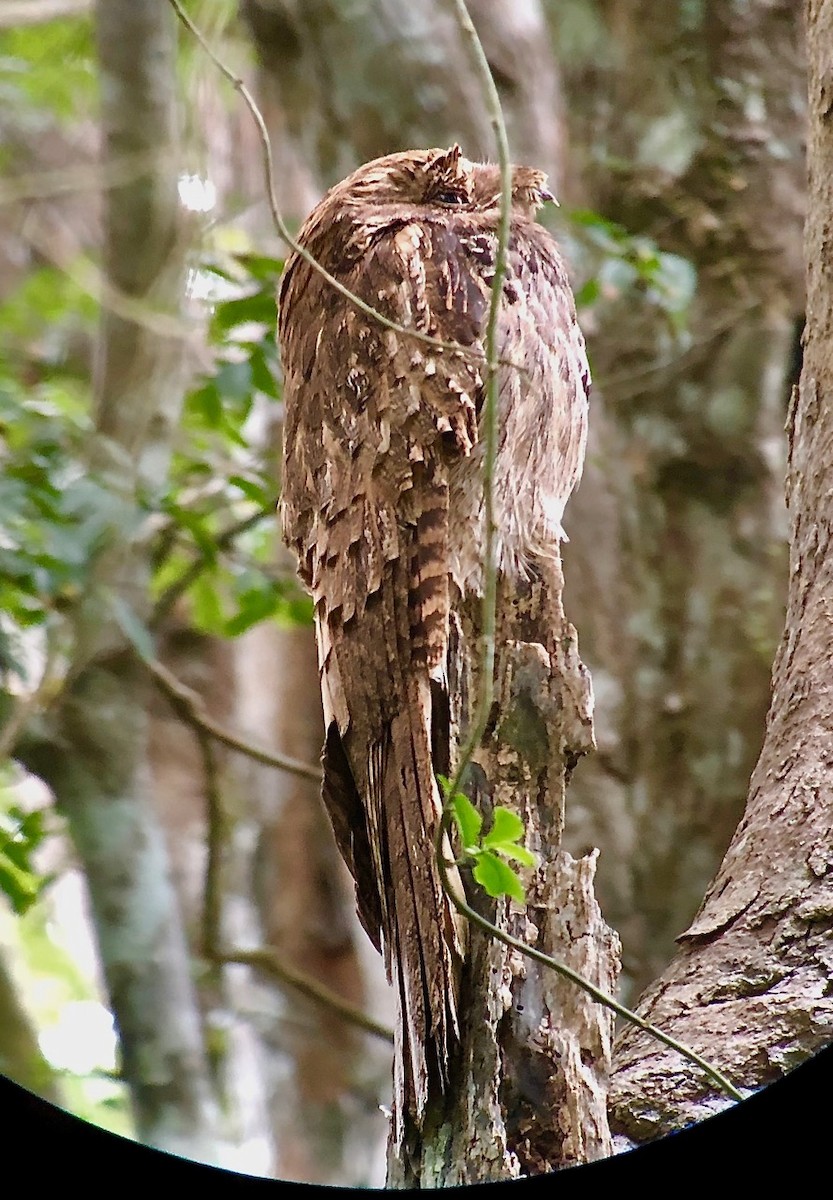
<point x="93" y="748"/>
<point x="528" y="1093"/>
<point x="494" y="1130"/>
<point x="750" y="986"/>
<point x="355" y="82"/>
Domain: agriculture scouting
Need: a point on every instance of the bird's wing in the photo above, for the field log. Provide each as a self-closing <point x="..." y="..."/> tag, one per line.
<point x="372" y="419"/>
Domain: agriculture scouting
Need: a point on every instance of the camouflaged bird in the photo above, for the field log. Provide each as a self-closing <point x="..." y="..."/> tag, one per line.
<point x="382" y="501"/>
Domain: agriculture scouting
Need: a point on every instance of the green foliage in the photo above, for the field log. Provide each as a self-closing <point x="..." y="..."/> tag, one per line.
<point x="624" y="263"/>
<point x="54" y="512"/>
<point x="218" y="481"/>
<point x="488" y="852"/>
<point x="21" y="833"/>
<point x="47" y="73"/>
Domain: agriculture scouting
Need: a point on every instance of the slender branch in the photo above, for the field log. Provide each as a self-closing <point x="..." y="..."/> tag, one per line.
<point x="263" y="958"/>
<point x="280" y="224"/>
<point x="490" y="409"/>
<point x="94" y="282"/>
<point x="266" y="959"/>
<point x="215" y="820"/>
<point x="190" y="707"/>
<point x="86" y="177"/>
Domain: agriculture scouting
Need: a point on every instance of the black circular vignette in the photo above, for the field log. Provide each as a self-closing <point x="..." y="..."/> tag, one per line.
<point x="780" y="1133"/>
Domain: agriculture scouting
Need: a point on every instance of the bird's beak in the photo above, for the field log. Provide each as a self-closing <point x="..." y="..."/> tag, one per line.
<point x="545" y="194"/>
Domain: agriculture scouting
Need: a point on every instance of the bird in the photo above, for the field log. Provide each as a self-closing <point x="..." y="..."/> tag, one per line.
<point x="382" y="502"/>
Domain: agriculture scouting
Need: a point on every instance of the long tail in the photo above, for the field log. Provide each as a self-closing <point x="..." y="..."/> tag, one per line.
<point x="384" y="802"/>
<point x="424" y="952"/>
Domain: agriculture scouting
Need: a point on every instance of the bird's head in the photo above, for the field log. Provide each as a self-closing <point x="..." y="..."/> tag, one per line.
<point x="437" y="179"/>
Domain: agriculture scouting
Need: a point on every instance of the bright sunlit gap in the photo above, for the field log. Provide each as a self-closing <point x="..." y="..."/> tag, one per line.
<point x="200" y="195"/>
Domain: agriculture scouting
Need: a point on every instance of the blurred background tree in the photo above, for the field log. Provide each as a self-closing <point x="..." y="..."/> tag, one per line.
<point x="140" y="395"/>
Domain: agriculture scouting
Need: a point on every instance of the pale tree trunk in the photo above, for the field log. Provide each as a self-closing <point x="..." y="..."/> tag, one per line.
<point x="325" y="1077"/>
<point x="750" y="987"/>
<point x="677" y="533"/>
<point x="93" y="749"/>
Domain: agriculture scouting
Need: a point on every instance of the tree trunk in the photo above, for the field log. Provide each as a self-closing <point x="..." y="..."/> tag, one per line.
<point x="336" y="122"/>
<point x="93" y="752"/>
<point x="750" y="987"/>
<point x="529" y="1091"/>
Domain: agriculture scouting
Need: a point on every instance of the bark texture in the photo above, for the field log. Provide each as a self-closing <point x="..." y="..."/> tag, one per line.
<point x="353" y="82"/>
<point x="751" y="985"/>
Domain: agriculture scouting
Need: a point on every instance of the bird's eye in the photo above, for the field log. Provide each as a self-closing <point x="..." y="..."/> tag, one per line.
<point x="449" y="198"/>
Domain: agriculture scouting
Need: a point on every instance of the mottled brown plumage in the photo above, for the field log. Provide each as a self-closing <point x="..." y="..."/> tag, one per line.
<point x="382" y="501"/>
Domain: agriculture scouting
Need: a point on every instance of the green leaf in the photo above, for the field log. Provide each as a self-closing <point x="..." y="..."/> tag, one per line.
<point x="505" y="835"/>
<point x="263" y="377"/>
<point x="207" y="611"/>
<point x="251" y="489"/>
<point x="259" y="307"/>
<point x="497" y="877"/>
<point x="234" y="380"/>
<point x="507" y="826"/>
<point x="206" y="401"/>
<point x="589" y="293"/>
<point x="468" y="819"/>
<point x="518" y="853"/>
<point x="261" y="266"/>
<point x="136" y="632"/>
<point x="255" y="605"/>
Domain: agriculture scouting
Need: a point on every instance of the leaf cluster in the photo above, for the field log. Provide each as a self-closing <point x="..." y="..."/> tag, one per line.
<point x="490" y="853"/>
<point x="21" y="833"/>
<point x="224" y="468"/>
<point x="623" y="263"/>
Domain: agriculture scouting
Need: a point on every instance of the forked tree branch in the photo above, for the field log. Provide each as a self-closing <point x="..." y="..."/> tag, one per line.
<point x="268" y="960"/>
<point x="262" y="958"/>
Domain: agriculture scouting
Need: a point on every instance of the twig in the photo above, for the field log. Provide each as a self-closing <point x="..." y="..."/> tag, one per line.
<point x="87" y="177"/>
<point x="266" y="959"/>
<point x="93" y="282"/>
<point x="280" y="224"/>
<point x="190" y="707"/>
<point x="562" y="969"/>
